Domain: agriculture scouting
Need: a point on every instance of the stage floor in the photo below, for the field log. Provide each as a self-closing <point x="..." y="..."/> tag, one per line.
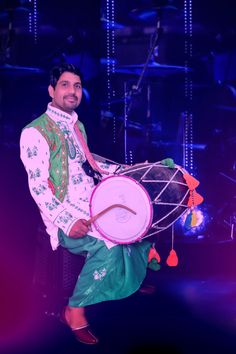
<point x="186" y="315"/>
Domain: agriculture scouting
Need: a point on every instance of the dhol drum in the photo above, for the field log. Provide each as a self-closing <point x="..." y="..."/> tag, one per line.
<point x="141" y="201"/>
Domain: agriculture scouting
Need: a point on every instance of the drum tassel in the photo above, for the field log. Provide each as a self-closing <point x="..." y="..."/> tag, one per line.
<point x="153" y="254"/>
<point x="154" y="258"/>
<point x="172" y="259"/>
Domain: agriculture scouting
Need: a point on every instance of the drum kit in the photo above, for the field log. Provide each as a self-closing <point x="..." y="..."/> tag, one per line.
<point x="145" y="76"/>
<point x="10" y="71"/>
<point x="153" y="69"/>
<point x="138" y="106"/>
<point x="159" y="19"/>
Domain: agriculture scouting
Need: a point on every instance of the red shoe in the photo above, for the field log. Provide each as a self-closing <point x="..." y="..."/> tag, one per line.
<point x="82" y="334"/>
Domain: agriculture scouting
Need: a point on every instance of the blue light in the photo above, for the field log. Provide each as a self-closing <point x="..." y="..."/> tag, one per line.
<point x="202" y="221"/>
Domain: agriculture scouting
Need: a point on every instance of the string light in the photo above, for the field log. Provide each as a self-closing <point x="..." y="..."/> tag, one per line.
<point x="110" y="56"/>
<point x="33" y="19"/>
<point x="125" y="122"/>
<point x="188" y="162"/>
<point x="30" y="20"/>
<point x="131" y="157"/>
<point x="35" y="22"/>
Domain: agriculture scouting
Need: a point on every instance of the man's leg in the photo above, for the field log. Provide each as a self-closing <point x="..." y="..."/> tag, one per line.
<point x="108" y="274"/>
<point x="75" y="317"/>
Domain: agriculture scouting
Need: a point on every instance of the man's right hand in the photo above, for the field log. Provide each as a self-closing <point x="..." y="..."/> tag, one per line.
<point x="79" y="229"/>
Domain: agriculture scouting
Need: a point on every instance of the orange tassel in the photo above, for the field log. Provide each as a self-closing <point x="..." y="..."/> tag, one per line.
<point x="172" y="259"/>
<point x="194" y="199"/>
<point x="192" y="182"/>
<point x="153" y="254"/>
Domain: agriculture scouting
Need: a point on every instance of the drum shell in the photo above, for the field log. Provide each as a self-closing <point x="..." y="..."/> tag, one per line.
<point x="167" y="189"/>
<point x="157" y="193"/>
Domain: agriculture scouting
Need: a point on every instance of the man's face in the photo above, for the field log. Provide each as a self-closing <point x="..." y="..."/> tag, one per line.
<point x="67" y="94"/>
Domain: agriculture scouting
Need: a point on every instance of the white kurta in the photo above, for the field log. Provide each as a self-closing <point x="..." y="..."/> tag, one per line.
<point x="35" y="155"/>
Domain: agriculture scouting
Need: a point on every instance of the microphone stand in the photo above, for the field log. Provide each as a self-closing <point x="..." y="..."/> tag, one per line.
<point x="136" y="88"/>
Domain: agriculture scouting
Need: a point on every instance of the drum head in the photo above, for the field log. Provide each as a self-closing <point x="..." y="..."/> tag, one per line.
<point x="118" y="224"/>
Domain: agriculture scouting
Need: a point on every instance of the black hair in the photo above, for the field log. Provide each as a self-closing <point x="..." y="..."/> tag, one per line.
<point x="58" y="70"/>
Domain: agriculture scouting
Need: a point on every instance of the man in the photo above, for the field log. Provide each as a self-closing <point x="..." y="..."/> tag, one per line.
<point x="54" y="152"/>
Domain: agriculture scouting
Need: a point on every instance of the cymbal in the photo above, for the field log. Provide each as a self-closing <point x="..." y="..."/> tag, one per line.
<point x="18" y="9"/>
<point x="153" y="69"/>
<point x="17" y="71"/>
<point x="129" y="124"/>
<point x="226" y="108"/>
<point x="171" y="19"/>
<point x="151" y="14"/>
<point x="111" y="25"/>
<point x="106" y="61"/>
<point x="8" y="14"/>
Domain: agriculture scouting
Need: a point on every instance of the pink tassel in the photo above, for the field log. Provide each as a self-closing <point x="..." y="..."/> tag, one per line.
<point x="194" y="199"/>
<point x="172" y="259"/>
<point x="192" y="182"/>
<point x="153" y="254"/>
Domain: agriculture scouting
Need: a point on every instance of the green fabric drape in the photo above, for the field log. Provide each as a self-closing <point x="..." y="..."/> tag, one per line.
<point x="108" y="274"/>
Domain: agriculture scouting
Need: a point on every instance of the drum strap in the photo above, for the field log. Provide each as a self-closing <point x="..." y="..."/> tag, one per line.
<point x="88" y="154"/>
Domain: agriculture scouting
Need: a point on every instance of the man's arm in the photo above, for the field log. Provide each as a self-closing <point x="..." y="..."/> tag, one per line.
<point x="35" y="154"/>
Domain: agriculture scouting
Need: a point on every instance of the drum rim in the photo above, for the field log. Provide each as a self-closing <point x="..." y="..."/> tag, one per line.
<point x="150" y="204"/>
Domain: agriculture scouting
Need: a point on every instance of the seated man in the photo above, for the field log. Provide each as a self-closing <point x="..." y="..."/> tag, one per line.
<point x="54" y="152"/>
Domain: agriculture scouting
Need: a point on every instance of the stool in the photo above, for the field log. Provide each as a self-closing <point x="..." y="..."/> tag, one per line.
<point x="55" y="274"/>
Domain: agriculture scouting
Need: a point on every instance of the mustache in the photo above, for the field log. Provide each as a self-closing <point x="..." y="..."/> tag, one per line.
<point x="71" y="96"/>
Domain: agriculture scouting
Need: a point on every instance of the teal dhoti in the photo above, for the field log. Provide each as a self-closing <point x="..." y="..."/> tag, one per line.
<point x="107" y="274"/>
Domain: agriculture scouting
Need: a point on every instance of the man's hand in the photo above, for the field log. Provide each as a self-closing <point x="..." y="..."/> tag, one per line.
<point x="79" y="229"/>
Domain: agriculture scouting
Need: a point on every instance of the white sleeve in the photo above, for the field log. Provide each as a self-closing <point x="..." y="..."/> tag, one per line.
<point x="110" y="167"/>
<point x="35" y="154"/>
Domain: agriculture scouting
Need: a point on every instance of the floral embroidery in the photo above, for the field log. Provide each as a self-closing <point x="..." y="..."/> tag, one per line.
<point x="31" y="153"/>
<point x="39" y="190"/>
<point x="98" y="275"/>
<point x="65" y="218"/>
<point x="77" y="207"/>
<point x="59" y="114"/>
<point x="52" y="205"/>
<point x="71" y="148"/>
<point x="80" y="155"/>
<point x="105" y="166"/>
<point x="34" y="175"/>
<point x="69" y="141"/>
<point x="86" y="200"/>
<point x="77" y="179"/>
<point x="90" y="181"/>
